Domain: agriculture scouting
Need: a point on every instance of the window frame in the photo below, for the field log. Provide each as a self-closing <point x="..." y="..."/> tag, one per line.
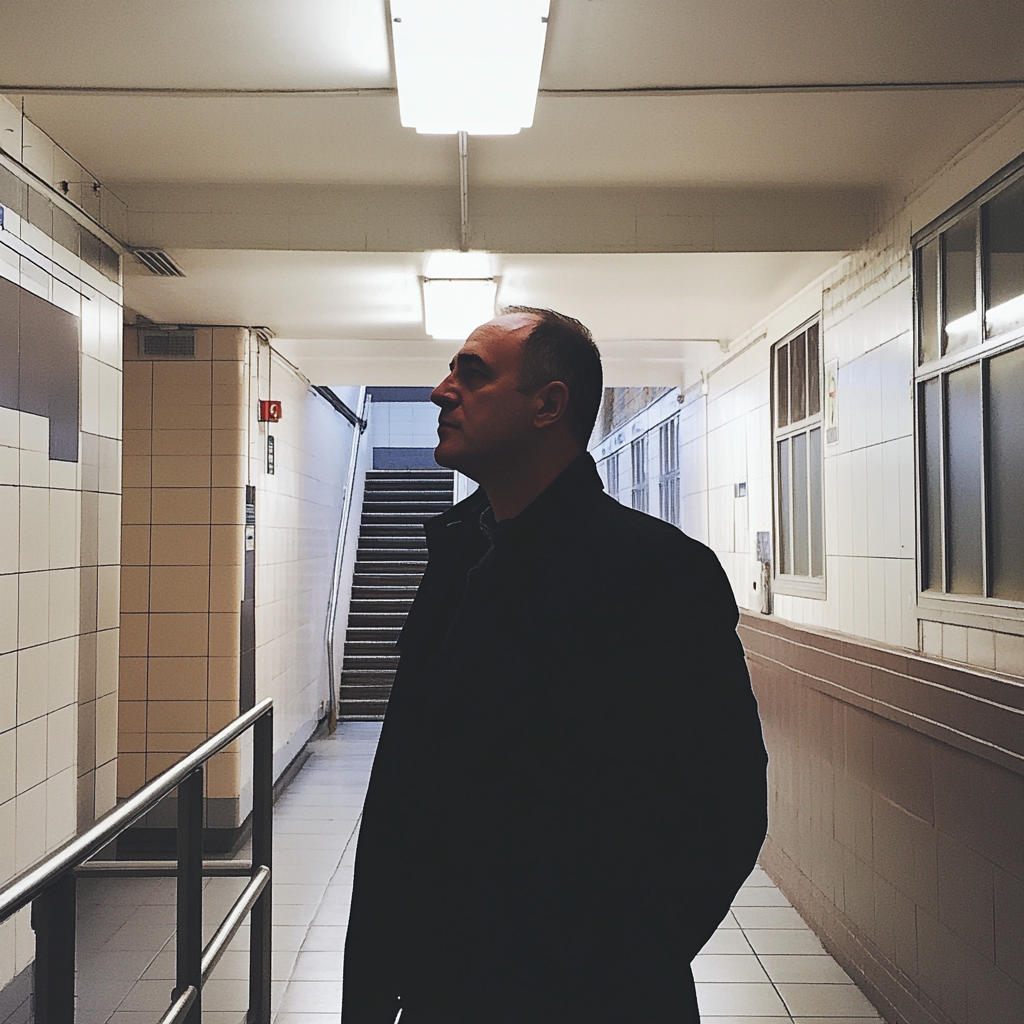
<point x="790" y="584"/>
<point x="977" y="610"/>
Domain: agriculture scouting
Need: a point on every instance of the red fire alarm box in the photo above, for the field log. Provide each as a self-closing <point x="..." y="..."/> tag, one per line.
<point x="270" y="411"/>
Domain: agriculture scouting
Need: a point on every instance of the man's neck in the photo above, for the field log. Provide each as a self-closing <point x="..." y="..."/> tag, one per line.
<point x="515" y="487"/>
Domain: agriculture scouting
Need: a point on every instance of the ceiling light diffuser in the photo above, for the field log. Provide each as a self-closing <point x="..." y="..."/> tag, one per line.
<point x="454" y="307"/>
<point x="468" y="65"/>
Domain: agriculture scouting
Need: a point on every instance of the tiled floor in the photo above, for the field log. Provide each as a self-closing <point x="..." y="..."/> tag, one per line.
<point x="762" y="966"/>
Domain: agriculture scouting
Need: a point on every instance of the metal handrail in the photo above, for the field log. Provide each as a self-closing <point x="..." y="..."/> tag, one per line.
<point x="23" y="889"/>
<point x="339" y="559"/>
<point x="50" y="885"/>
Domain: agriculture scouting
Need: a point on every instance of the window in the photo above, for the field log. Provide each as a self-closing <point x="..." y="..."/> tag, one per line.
<point x="611" y="475"/>
<point x="797" y="450"/>
<point x="969" y="275"/>
<point x="638" y="453"/>
<point x="668" y="483"/>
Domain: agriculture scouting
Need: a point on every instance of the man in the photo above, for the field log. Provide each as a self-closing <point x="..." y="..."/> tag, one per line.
<point x="570" y="782"/>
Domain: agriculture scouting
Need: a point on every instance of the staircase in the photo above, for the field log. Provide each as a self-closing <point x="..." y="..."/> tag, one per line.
<point x="391" y="557"/>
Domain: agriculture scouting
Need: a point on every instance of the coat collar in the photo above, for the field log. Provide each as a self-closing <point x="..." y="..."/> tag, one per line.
<point x="575" y="485"/>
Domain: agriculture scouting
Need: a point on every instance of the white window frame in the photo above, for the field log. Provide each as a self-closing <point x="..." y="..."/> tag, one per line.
<point x="814" y="587"/>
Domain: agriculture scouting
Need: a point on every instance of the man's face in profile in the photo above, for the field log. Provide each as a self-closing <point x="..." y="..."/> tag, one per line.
<point x="483" y="416"/>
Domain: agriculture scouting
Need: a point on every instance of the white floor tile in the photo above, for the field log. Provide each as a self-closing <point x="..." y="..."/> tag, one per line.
<point x="718" y="999"/>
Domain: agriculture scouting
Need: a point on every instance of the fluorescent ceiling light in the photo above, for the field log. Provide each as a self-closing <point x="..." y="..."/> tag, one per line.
<point x="468" y="65"/>
<point x="453" y="307"/>
<point x="1005" y="315"/>
<point x="452" y="263"/>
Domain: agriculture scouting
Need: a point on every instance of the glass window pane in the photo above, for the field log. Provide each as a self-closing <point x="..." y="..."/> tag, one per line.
<point x="801" y="545"/>
<point x="1004" y="260"/>
<point x="813" y="372"/>
<point x="963" y="447"/>
<point x="1006" y="474"/>
<point x="931" y="484"/>
<point x="785" y="508"/>
<point x="782" y="385"/>
<point x="798" y="379"/>
<point x="959" y="321"/>
<point x="928" y="292"/>
<point x="817" y="526"/>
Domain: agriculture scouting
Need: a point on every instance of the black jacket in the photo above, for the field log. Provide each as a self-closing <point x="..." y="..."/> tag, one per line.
<point x="570" y="781"/>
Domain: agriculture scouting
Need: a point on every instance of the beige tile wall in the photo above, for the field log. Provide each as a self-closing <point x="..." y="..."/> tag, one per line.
<point x="181" y="575"/>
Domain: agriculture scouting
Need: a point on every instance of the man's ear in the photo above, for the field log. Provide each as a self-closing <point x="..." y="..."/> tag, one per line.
<point x="552" y="400"/>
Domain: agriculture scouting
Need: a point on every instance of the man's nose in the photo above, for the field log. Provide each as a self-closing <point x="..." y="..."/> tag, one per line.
<point x="442" y="394"/>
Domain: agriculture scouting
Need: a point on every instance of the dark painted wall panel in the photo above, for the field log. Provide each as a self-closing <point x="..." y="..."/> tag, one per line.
<point x="9" y="320"/>
<point x="40" y="365"/>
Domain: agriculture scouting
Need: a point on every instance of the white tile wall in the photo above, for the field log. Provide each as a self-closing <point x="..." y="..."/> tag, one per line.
<point x="40" y="558"/>
<point x="298" y="511"/>
<point x="404" y="425"/>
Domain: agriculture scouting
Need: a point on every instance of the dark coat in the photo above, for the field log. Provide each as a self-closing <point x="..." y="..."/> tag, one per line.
<point x="570" y="782"/>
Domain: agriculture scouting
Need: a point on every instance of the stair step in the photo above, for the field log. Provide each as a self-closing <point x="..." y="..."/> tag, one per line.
<point x="378" y="678"/>
<point x="382" y="554"/>
<point x="379" y="592"/>
<point x="373" y="634"/>
<point x="401" y="529"/>
<point x="380" y="604"/>
<point x="377" y="620"/>
<point x="364" y="662"/>
<point x="390" y="493"/>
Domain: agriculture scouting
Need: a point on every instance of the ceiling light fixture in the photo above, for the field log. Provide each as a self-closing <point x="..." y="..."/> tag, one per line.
<point x="453" y="307"/>
<point x="468" y="65"/>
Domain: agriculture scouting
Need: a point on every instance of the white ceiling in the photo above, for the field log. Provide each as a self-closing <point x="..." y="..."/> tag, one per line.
<point x="350" y="318"/>
<point x="893" y="140"/>
<point x="333" y="311"/>
<point x="591" y="43"/>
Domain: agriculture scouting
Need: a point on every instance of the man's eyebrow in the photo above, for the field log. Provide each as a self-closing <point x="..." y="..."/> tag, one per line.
<point x="469" y="359"/>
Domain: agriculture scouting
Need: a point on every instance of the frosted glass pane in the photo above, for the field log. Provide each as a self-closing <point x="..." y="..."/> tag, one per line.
<point x="963" y="446"/>
<point x="1006" y="474"/>
<point x="801" y="543"/>
<point x="813" y="372"/>
<point x="782" y="385"/>
<point x="817" y="526"/>
<point x="928" y="290"/>
<point x="1004" y="247"/>
<point x="785" y="509"/>
<point x="959" y="323"/>
<point x="931" y="484"/>
<point x="798" y="379"/>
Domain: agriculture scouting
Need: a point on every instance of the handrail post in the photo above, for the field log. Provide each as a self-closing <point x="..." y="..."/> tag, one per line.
<point x="190" y="892"/>
<point x="53" y="920"/>
<point x="262" y="856"/>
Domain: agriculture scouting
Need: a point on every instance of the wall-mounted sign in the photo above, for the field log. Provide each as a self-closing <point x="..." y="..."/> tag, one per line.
<point x="831" y="398"/>
<point x="270" y="454"/>
<point x="270" y="411"/>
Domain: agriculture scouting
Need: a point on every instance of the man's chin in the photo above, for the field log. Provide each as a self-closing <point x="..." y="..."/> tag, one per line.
<point x="448" y="456"/>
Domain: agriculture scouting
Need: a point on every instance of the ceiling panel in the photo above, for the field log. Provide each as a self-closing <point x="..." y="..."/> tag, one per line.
<point x="601" y="44"/>
<point x="892" y="140"/>
<point x="235" y="44"/>
<point x="368" y="296"/>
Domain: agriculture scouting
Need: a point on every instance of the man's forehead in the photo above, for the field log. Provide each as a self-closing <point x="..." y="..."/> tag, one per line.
<point x="499" y="339"/>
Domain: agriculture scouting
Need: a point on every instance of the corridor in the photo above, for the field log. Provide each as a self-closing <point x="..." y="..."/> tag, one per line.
<point x="763" y="964"/>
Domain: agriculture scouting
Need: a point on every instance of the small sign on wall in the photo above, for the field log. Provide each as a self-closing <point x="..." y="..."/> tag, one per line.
<point x="831" y="399"/>
<point x="270" y="411"/>
<point x="270" y="454"/>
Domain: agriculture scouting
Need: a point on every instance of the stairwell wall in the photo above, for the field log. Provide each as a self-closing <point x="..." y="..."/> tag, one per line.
<point x="298" y="513"/>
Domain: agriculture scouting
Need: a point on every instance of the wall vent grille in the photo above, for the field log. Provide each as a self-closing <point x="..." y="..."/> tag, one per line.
<point x="158" y="262"/>
<point x="172" y="344"/>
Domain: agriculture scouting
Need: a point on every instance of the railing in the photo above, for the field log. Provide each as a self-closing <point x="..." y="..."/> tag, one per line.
<point x="339" y="558"/>
<point x="50" y="886"/>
